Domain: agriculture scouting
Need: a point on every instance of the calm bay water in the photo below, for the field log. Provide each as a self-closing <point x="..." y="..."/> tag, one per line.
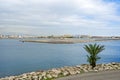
<point x="17" y="57"/>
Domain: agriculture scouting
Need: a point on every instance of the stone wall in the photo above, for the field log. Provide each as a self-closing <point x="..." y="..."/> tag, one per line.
<point x="64" y="71"/>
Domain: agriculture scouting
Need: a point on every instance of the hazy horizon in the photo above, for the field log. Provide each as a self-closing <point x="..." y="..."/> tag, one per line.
<point x="59" y="17"/>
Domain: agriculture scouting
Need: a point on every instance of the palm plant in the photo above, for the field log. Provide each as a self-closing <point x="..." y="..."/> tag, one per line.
<point x="93" y="50"/>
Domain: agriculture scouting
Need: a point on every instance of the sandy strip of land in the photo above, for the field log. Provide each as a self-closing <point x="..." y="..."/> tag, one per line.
<point x="104" y="75"/>
<point x="58" y="41"/>
<point x="64" y="41"/>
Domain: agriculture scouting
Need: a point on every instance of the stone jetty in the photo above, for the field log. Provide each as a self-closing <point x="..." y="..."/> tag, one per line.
<point x="64" y="71"/>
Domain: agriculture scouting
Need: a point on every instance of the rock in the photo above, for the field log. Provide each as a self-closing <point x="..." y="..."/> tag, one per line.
<point x="72" y="72"/>
<point x="96" y="70"/>
<point x="56" y="71"/>
<point x="85" y="70"/>
<point x="100" y="69"/>
<point x="106" y="68"/>
<point x="35" y="77"/>
<point x="39" y="77"/>
<point x="78" y="66"/>
<point x="89" y="69"/>
<point x="65" y="73"/>
<point x="48" y="76"/>
<point x="113" y="63"/>
<point x="11" y="78"/>
<point x="110" y="68"/>
<point x="54" y="75"/>
<point x="44" y="73"/>
<point x="32" y="73"/>
<point x="108" y="64"/>
<point x="102" y="65"/>
<point x="29" y="77"/>
<point x="78" y="72"/>
<point x="20" y="78"/>
<point x="24" y="76"/>
<point x="115" y="66"/>
<point x="118" y="67"/>
<point x="119" y="64"/>
<point x="44" y="78"/>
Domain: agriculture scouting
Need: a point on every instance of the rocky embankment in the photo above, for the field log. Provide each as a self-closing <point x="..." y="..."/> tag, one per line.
<point x="64" y="71"/>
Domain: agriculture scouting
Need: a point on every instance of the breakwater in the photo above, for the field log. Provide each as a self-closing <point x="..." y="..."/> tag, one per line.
<point x="58" y="41"/>
<point x="64" y="40"/>
<point x="64" y="71"/>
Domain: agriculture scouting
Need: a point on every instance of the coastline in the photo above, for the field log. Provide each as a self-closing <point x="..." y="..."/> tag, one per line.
<point x="65" y="40"/>
<point x="64" y="71"/>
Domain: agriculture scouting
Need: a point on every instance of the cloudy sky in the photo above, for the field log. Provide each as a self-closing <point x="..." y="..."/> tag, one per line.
<point x="57" y="17"/>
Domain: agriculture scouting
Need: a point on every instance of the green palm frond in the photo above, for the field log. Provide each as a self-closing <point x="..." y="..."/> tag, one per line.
<point x="93" y="50"/>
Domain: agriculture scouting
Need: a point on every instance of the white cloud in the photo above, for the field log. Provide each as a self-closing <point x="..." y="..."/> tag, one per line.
<point x="94" y="14"/>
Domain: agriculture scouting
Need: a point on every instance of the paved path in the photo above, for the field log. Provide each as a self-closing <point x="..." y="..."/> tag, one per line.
<point x="106" y="75"/>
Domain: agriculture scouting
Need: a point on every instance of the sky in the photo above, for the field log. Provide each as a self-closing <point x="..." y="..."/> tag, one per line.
<point x="58" y="17"/>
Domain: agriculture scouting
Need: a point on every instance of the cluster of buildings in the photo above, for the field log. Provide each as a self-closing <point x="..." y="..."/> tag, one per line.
<point x="10" y="36"/>
<point x="60" y="36"/>
<point x="14" y="36"/>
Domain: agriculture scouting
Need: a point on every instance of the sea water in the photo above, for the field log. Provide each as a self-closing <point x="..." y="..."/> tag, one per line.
<point x="17" y="57"/>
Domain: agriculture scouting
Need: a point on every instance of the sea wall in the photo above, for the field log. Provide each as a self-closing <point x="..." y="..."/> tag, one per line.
<point x="64" y="71"/>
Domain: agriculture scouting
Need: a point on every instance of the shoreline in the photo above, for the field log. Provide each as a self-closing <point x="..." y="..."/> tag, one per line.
<point x="65" y="41"/>
<point x="64" y="71"/>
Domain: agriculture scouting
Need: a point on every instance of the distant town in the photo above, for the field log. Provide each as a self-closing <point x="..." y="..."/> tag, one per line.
<point x="2" y="36"/>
